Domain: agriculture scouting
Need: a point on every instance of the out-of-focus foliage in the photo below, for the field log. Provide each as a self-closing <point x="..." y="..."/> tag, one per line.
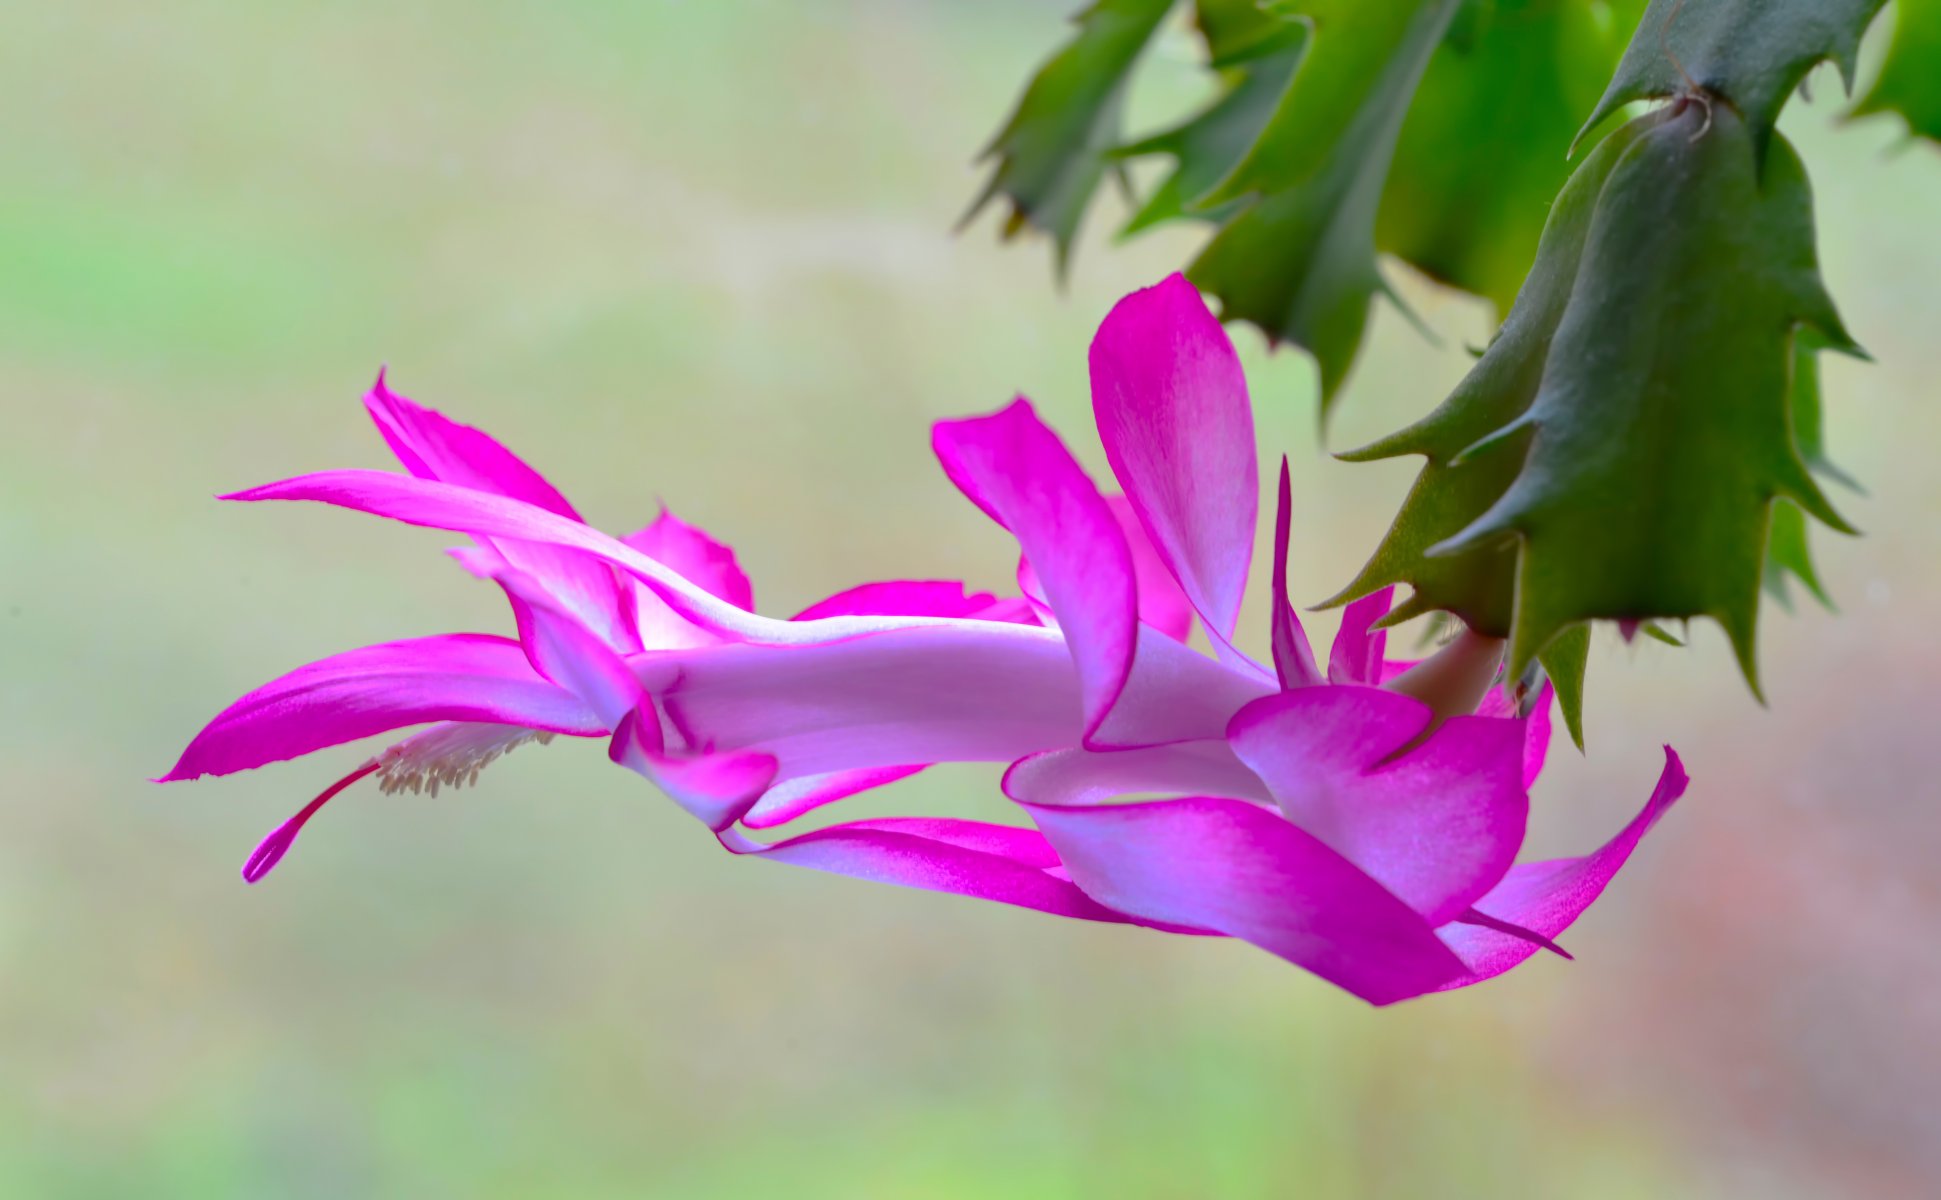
<point x="1298" y="257"/>
<point x="1480" y="158"/>
<point x="1052" y="153"/>
<point x="1435" y="130"/>
<point x="1910" y="79"/>
<point x="1787" y="553"/>
<point x="1255" y="53"/>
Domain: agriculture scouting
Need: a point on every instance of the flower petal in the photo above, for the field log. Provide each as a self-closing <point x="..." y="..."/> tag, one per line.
<point x="450" y="677"/>
<point x="969" y="692"/>
<point x="1293" y="657"/>
<point x="698" y="555"/>
<point x="563" y="649"/>
<point x="443" y="506"/>
<point x="433" y="446"/>
<point x="791" y="798"/>
<point x="714" y="788"/>
<point x="1233" y="867"/>
<point x="901" y="597"/>
<point x="1356" y="656"/>
<point x="1171" y="405"/>
<point x="1018" y="472"/>
<point x="1438" y="826"/>
<point x="1545" y="897"/>
<point x="965" y="858"/>
<point x="1162" y="603"/>
<point x="925" y="695"/>
<point x="1069" y="777"/>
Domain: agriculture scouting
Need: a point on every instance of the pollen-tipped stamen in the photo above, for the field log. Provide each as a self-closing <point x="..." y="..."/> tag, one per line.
<point x="450" y="756"/>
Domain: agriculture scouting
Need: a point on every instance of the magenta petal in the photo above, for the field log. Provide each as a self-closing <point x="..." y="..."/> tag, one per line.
<point x="1293" y="657"/>
<point x="792" y="798"/>
<point x="715" y="788"/>
<point x="983" y="692"/>
<point x="1501" y="701"/>
<point x="999" y="863"/>
<point x="1356" y="656"/>
<point x="1545" y="897"/>
<point x="450" y="677"/>
<point x="1078" y="777"/>
<point x="1232" y="867"/>
<point x="443" y="506"/>
<point x="1536" y="735"/>
<point x="434" y="447"/>
<point x="901" y="597"/>
<point x="922" y="695"/>
<point x="1018" y="472"/>
<point x="1172" y="409"/>
<point x="1438" y="826"/>
<point x="1162" y="603"/>
<point x="696" y="554"/>
<point x="480" y="562"/>
<point x="565" y="651"/>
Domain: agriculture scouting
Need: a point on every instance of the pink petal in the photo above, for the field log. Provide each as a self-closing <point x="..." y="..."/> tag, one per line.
<point x="792" y="798"/>
<point x="943" y="694"/>
<point x="1438" y="826"/>
<point x="566" y="651"/>
<point x="1172" y="409"/>
<point x="1536" y="735"/>
<point x="1293" y="657"/>
<point x="1232" y="867"/>
<point x="1500" y="701"/>
<point x="450" y="677"/>
<point x="1545" y="897"/>
<point x="970" y="692"/>
<point x="1012" y="610"/>
<point x="480" y="562"/>
<point x="965" y="858"/>
<point x="444" y="506"/>
<point x="1356" y="656"/>
<point x="717" y="789"/>
<point x="901" y="597"/>
<point x="1080" y="777"/>
<point x="432" y="446"/>
<point x="696" y="554"/>
<point x="1162" y="603"/>
<point x="1018" y="472"/>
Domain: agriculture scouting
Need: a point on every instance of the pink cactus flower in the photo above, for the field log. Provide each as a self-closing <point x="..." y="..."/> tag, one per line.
<point x="1360" y="821"/>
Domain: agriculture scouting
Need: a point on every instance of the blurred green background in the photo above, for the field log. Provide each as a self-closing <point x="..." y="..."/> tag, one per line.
<point x="702" y="252"/>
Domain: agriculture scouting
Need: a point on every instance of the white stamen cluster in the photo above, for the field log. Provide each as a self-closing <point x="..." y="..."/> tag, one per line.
<point x="449" y="756"/>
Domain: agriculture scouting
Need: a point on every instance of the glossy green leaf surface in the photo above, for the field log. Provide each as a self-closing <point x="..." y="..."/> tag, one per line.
<point x="1751" y="53"/>
<point x="1635" y="412"/>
